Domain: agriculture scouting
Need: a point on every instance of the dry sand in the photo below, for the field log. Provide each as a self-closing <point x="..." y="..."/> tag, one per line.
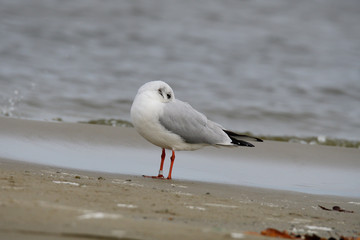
<point x="43" y="202"/>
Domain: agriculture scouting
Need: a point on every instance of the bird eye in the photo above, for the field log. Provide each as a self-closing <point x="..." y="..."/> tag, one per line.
<point x="160" y="92"/>
<point x="168" y="95"/>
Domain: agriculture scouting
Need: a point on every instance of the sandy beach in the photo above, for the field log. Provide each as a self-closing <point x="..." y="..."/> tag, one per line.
<point x="42" y="202"/>
<point x="48" y="191"/>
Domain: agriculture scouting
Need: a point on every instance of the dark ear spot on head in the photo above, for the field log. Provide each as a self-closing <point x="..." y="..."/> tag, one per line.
<point x="168" y="95"/>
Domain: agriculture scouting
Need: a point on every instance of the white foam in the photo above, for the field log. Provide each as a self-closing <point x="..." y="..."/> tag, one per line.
<point x="69" y="183"/>
<point x="196" y="208"/>
<point x="220" y="205"/>
<point x="126" y="205"/>
<point x="99" y="215"/>
<point x="237" y="235"/>
<point x="179" y="186"/>
<point x="318" y="228"/>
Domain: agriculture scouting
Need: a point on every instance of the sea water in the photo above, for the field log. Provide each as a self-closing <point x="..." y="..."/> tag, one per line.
<point x="276" y="68"/>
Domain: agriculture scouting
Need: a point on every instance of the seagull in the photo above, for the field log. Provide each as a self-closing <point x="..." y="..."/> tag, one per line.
<point x="172" y="124"/>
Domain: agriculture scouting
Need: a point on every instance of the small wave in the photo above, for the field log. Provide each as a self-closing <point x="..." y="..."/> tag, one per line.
<point x="109" y="122"/>
<point x="318" y="140"/>
<point x="9" y="105"/>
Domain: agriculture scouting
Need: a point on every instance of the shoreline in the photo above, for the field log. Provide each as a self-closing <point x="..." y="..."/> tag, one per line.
<point x="272" y="165"/>
<point x="55" y="184"/>
<point x="51" y="202"/>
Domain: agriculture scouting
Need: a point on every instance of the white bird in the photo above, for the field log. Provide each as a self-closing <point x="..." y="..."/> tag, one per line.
<point x="175" y="125"/>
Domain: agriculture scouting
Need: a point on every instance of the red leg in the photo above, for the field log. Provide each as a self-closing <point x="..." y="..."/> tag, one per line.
<point x="162" y="163"/>
<point x="161" y="166"/>
<point x="171" y="164"/>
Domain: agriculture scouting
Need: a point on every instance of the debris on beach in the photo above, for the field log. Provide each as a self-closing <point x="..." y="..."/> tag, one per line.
<point x="272" y="232"/>
<point x="335" y="208"/>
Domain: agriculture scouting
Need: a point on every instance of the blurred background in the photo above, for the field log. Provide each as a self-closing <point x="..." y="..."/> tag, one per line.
<point x="275" y="68"/>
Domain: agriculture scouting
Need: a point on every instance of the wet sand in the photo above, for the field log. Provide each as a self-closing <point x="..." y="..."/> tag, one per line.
<point x="274" y="165"/>
<point x="44" y="202"/>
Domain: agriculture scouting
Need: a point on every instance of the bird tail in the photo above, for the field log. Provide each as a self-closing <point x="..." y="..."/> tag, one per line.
<point x="239" y="139"/>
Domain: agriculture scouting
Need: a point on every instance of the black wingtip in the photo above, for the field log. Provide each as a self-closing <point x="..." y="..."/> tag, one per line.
<point x="232" y="134"/>
<point x="235" y="139"/>
<point x="241" y="143"/>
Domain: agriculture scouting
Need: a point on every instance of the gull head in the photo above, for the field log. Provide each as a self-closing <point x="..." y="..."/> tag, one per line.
<point x="157" y="90"/>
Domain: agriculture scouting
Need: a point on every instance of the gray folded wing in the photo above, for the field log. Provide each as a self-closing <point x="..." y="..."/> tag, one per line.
<point x="192" y="126"/>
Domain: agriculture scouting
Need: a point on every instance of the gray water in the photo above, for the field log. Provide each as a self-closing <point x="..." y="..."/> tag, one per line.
<point x="279" y="67"/>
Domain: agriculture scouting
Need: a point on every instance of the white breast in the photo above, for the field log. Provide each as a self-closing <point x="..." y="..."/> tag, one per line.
<point x="145" y="117"/>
